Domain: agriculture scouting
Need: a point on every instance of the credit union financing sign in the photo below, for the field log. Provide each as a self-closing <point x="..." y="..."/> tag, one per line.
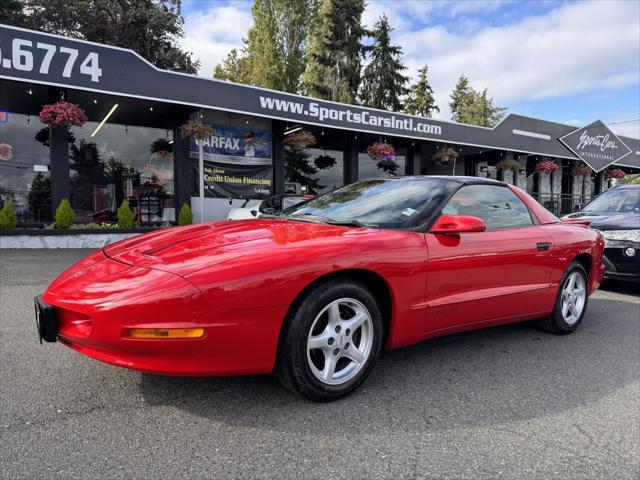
<point x="596" y="145"/>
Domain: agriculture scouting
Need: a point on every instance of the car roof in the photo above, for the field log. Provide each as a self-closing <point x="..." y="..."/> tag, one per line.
<point x="463" y="179"/>
<point x="625" y="186"/>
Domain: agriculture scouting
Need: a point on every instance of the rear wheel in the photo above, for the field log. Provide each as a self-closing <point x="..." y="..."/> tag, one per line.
<point x="571" y="303"/>
<point x="330" y="341"/>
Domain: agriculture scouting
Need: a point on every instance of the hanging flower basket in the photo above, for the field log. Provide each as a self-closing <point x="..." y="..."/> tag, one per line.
<point x="444" y="156"/>
<point x="547" y="167"/>
<point x="616" y="173"/>
<point x="509" y="164"/>
<point x="196" y="129"/>
<point x="63" y="114"/>
<point x="324" y="162"/>
<point x="296" y="141"/>
<point x="582" y="171"/>
<point x="383" y="153"/>
<point x="6" y="151"/>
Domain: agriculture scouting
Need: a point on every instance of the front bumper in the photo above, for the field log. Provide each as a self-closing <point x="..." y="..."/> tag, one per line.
<point x="93" y="306"/>
<point x="621" y="267"/>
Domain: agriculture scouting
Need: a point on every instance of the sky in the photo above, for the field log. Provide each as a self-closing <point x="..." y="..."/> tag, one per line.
<point x="572" y="62"/>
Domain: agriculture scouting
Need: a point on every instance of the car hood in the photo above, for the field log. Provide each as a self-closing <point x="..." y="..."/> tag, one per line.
<point x="184" y="250"/>
<point x="609" y="221"/>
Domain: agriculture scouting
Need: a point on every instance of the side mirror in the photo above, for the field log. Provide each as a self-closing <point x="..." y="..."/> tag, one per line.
<point x="458" y="224"/>
<point x="578" y="207"/>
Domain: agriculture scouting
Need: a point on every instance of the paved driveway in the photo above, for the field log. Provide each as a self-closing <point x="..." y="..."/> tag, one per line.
<point x="507" y="402"/>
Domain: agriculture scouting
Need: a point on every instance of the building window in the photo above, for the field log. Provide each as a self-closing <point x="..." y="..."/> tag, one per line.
<point x="369" y="168"/>
<point x="119" y="163"/>
<point x="313" y="171"/>
<point x="24" y="167"/>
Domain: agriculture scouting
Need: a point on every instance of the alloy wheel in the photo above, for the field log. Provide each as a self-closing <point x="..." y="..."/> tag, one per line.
<point x="340" y="341"/>
<point x="574" y="295"/>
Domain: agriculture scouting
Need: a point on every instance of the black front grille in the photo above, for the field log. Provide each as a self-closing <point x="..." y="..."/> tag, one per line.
<point x="621" y="262"/>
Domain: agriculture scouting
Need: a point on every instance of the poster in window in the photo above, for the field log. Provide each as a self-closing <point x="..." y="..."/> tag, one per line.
<point x="237" y="163"/>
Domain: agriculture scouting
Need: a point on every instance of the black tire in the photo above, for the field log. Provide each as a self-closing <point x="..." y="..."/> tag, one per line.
<point x="555" y="322"/>
<point x="293" y="369"/>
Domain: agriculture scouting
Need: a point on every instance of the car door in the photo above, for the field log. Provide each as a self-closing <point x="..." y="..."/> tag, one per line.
<point x="502" y="273"/>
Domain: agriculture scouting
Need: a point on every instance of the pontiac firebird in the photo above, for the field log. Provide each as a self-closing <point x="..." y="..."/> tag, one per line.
<point x="313" y="295"/>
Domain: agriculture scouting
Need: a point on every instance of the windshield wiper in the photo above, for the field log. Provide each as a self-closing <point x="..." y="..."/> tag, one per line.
<point x="348" y="223"/>
<point x="306" y="217"/>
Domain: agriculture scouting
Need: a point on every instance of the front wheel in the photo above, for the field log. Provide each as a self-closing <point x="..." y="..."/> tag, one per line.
<point x="571" y="302"/>
<point x="330" y="341"/>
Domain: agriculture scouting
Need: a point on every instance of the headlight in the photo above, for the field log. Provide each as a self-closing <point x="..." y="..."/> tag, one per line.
<point x="629" y="235"/>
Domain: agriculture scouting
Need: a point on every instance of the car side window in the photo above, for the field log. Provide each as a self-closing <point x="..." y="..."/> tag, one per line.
<point x="497" y="206"/>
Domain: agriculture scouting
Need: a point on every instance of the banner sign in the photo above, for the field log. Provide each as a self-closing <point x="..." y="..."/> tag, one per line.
<point x="596" y="145"/>
<point x="234" y="141"/>
<point x="237" y="163"/>
<point x="223" y="180"/>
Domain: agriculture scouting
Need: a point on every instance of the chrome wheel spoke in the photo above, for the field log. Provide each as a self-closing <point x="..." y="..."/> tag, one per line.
<point x="334" y="314"/>
<point x="358" y="319"/>
<point x="330" y="362"/>
<point x="320" y="341"/>
<point x="354" y="354"/>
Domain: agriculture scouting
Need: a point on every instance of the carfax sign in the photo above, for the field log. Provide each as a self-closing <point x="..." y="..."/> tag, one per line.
<point x="237" y="163"/>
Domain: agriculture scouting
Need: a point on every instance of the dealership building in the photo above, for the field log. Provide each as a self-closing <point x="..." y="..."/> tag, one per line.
<point x="131" y="148"/>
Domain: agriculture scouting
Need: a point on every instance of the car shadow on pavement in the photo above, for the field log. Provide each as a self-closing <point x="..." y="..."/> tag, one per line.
<point x="618" y="286"/>
<point x="496" y="375"/>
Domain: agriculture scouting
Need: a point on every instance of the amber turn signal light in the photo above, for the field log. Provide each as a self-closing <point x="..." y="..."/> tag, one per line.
<point x="166" y="333"/>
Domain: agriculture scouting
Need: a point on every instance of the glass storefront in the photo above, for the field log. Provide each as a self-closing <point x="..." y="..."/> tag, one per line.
<point x="119" y="163"/>
<point x="24" y="167"/>
<point x="313" y="171"/>
<point x="369" y="168"/>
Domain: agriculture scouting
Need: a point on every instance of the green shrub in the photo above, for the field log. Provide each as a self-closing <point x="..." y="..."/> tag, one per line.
<point x="186" y="216"/>
<point x="8" y="220"/>
<point x="125" y="216"/>
<point x="65" y="216"/>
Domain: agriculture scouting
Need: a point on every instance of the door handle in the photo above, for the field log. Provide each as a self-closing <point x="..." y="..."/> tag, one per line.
<point x="543" y="245"/>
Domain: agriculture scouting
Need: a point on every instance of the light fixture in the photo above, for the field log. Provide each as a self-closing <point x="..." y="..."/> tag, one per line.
<point x="292" y="129"/>
<point x="95" y="100"/>
<point x="170" y="142"/>
<point x="113" y="109"/>
<point x="151" y="108"/>
<point x="30" y="92"/>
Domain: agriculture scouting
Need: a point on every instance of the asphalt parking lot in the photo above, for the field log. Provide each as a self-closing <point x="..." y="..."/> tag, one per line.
<point x="507" y="402"/>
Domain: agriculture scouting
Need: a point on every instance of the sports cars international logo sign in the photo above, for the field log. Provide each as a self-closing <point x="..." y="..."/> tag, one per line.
<point x="596" y="145"/>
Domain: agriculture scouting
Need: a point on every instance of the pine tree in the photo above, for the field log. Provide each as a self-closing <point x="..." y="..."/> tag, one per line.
<point x="334" y="51"/>
<point x="461" y="97"/>
<point x="473" y="107"/>
<point x="420" y="100"/>
<point x="383" y="84"/>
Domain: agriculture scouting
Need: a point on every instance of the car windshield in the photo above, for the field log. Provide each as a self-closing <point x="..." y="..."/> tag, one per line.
<point x="382" y="203"/>
<point x="621" y="200"/>
<point x="288" y="202"/>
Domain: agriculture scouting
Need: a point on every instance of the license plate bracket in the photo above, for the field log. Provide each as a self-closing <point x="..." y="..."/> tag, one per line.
<point x="45" y="321"/>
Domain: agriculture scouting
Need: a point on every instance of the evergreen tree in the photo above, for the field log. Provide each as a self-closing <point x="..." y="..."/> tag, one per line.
<point x="263" y="52"/>
<point x="274" y="55"/>
<point x="461" y="97"/>
<point x="233" y="68"/>
<point x="383" y="84"/>
<point x="149" y="27"/>
<point x="334" y="51"/>
<point x="420" y="100"/>
<point x="473" y="107"/>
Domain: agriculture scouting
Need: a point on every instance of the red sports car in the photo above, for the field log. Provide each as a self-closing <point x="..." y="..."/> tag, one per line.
<point x="314" y="295"/>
